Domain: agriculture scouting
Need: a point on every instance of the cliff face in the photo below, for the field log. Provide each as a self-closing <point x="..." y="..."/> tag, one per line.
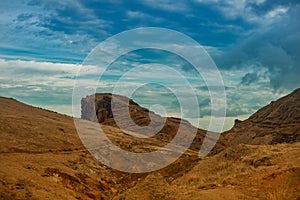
<point x="98" y="108"/>
<point x="278" y="122"/>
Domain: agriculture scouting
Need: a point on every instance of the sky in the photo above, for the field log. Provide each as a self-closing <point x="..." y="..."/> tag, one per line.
<point x="254" y="43"/>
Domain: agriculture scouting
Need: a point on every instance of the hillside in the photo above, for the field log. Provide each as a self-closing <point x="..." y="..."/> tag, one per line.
<point x="42" y="157"/>
<point x="278" y="122"/>
<point x="267" y="172"/>
<point x="144" y="122"/>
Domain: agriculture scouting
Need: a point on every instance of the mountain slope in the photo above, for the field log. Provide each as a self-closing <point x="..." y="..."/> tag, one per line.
<point x="42" y="157"/>
<point x="278" y="122"/>
<point x="259" y="172"/>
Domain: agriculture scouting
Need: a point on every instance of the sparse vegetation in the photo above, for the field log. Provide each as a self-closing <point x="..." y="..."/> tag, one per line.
<point x="51" y="162"/>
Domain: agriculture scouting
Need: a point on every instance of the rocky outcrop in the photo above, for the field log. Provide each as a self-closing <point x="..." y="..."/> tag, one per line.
<point x="98" y="107"/>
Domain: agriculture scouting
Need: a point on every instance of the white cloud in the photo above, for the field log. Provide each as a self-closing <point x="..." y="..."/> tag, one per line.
<point x="276" y="12"/>
<point x="43" y="68"/>
<point x="233" y="9"/>
<point x="167" y="5"/>
<point x="8" y="86"/>
<point x="143" y="16"/>
<point x="37" y="76"/>
<point x="136" y="14"/>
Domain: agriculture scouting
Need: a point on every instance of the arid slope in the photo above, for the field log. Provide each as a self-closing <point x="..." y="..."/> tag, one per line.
<point x="42" y="157"/>
<point x="278" y="122"/>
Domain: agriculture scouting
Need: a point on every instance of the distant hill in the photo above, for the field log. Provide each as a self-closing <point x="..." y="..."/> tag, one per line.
<point x="278" y="122"/>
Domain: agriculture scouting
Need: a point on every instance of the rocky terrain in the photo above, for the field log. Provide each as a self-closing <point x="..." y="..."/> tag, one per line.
<point x="42" y="156"/>
<point x="278" y="122"/>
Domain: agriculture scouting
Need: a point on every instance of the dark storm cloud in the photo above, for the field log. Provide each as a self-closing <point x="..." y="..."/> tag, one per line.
<point x="276" y="47"/>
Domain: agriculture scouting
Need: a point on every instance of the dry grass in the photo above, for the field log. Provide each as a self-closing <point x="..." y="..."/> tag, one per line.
<point x="221" y="172"/>
<point x="44" y="158"/>
<point x="281" y="191"/>
<point x="259" y="172"/>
